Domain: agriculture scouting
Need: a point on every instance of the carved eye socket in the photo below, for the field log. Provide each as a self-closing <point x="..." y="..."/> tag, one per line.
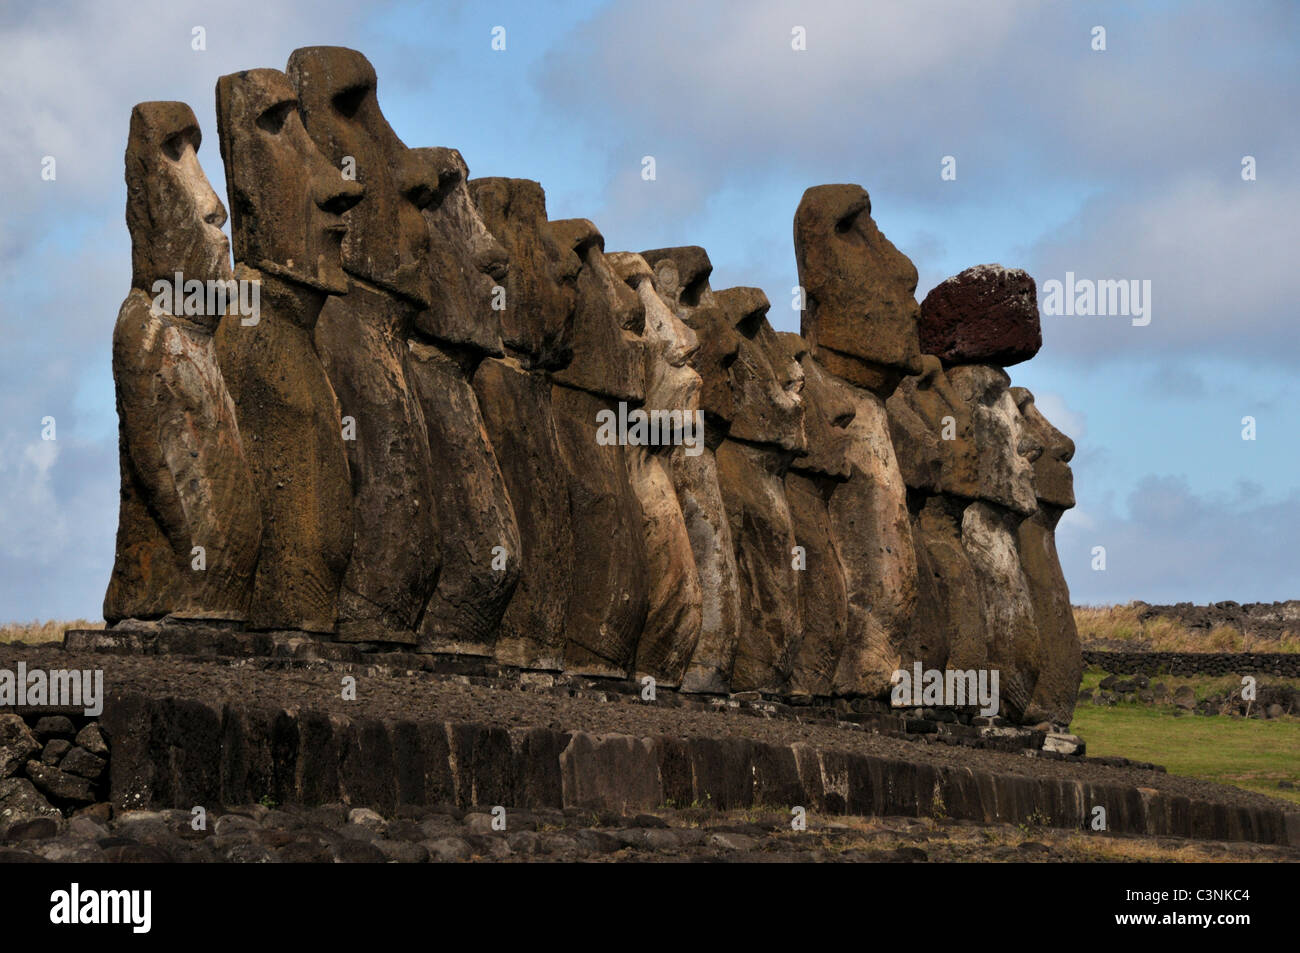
<point x="273" y="119"/>
<point x="174" y="146"/>
<point x="349" y="101"/>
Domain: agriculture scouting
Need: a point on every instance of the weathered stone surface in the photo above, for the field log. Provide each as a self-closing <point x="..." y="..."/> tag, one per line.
<point x="681" y="280"/>
<point x="812" y="479"/>
<point x="860" y="312"/>
<point x="948" y="628"/>
<point x="1061" y="662"/>
<point x="989" y="538"/>
<point x="54" y="751"/>
<point x="672" y="625"/>
<point x="1004" y="474"/>
<point x="933" y="434"/>
<point x="92" y="739"/>
<point x="762" y="534"/>
<point x="480" y="541"/>
<point x="519" y="416"/>
<point x="610" y="583"/>
<point x="765" y="378"/>
<point x="985" y="315"/>
<point x="609" y="321"/>
<point x="695" y="481"/>
<point x="20" y="801"/>
<point x="362" y="341"/>
<point x="823" y="596"/>
<point x="82" y="763"/>
<point x="287" y="226"/>
<point x="611" y="772"/>
<point x="55" y="783"/>
<point x="766" y="433"/>
<point x="609" y="588"/>
<point x="519" y="419"/>
<point x="54" y="726"/>
<point x="17" y="744"/>
<point x="466" y="262"/>
<point x="873" y="534"/>
<point x="1053" y="478"/>
<point x="185" y="482"/>
<point x="537" y="321"/>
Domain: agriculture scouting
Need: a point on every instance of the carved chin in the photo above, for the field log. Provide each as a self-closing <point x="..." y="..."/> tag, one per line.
<point x="330" y="276"/>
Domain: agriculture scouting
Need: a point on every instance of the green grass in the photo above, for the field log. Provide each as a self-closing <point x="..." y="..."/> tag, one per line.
<point x="1248" y="753"/>
<point x="1203" y="686"/>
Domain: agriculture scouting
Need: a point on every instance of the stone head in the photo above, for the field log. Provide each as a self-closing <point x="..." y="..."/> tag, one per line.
<point x="681" y="277"/>
<point x="608" y="324"/>
<point x="1053" y="478"/>
<point x="387" y="240"/>
<point x="827" y="414"/>
<point x="860" y="311"/>
<point x="465" y="261"/>
<point x="287" y="202"/>
<point x="173" y="214"/>
<point x="765" y="379"/>
<point x="1003" y="444"/>
<point x="670" y="381"/>
<point x="541" y="284"/>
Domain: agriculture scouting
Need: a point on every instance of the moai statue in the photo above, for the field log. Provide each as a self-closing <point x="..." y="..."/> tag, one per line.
<point x="610" y="584"/>
<point x="979" y="320"/>
<point x="989" y="530"/>
<point x="934" y="438"/>
<point x="189" y="526"/>
<point x="362" y="341"/>
<point x="1061" y="662"/>
<point x="287" y="207"/>
<point x="766" y="435"/>
<point x="809" y="485"/>
<point x="682" y="282"/>
<point x="859" y="320"/>
<point x="479" y="534"/>
<point x="674" y="422"/>
<point x="514" y="395"/>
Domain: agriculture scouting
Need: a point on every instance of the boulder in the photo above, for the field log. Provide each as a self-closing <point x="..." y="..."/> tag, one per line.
<point x="985" y="315"/>
<point x="17" y="744"/>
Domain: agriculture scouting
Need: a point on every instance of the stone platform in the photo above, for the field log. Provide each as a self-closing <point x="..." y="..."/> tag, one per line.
<point x="212" y="730"/>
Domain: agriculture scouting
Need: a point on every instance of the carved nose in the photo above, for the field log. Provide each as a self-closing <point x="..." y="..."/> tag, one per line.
<point x="491" y="258"/>
<point x="216" y="213"/>
<point x="336" y="195"/>
<point x="418" y="178"/>
<point x="633" y="314"/>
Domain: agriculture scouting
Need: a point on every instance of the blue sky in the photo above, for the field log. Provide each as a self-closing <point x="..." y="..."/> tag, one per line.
<point x="1116" y="164"/>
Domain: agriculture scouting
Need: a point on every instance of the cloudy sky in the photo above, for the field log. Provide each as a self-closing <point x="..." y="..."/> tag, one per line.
<point x="1117" y="164"/>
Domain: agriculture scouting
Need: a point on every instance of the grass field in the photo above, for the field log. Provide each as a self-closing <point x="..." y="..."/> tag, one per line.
<point x="1249" y="753"/>
<point x="1163" y="634"/>
<point x="51" y="631"/>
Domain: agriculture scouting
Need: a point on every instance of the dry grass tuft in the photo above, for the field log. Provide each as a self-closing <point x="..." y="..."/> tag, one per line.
<point x="37" y="631"/>
<point x="1163" y="634"/>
